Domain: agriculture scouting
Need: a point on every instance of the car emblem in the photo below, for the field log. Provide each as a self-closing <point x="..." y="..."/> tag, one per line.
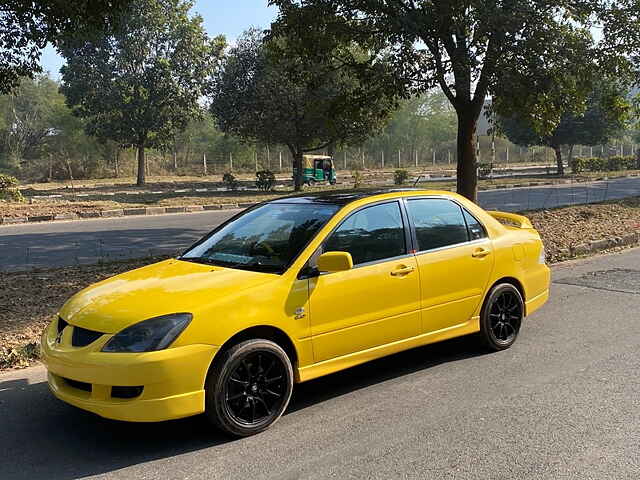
<point x="299" y="313"/>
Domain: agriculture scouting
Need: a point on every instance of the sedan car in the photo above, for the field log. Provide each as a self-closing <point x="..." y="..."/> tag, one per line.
<point x="288" y="291"/>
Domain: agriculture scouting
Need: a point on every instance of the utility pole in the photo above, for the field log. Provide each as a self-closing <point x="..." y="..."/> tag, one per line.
<point x="280" y="159"/>
<point x="383" y="159"/>
<point x="230" y="162"/>
<point x="204" y="163"/>
<point x="434" y="157"/>
<point x="399" y="159"/>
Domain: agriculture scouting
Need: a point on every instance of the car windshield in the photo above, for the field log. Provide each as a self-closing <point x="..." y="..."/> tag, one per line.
<point x="265" y="239"/>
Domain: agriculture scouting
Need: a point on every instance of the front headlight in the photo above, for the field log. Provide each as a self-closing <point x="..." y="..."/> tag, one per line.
<point x="150" y="335"/>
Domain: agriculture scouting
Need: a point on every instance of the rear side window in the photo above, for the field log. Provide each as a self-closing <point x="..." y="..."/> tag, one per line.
<point x="476" y="230"/>
<point x="438" y="223"/>
<point x="370" y="235"/>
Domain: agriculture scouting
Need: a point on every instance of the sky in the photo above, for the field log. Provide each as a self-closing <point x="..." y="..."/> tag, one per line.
<point x="226" y="17"/>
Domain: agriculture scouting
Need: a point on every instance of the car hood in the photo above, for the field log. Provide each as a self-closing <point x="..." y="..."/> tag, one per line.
<point x="171" y="286"/>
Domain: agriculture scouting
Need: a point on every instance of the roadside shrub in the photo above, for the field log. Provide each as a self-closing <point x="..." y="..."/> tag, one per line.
<point x="400" y="177"/>
<point x="578" y="165"/>
<point x="230" y="181"/>
<point x="485" y="169"/>
<point x="9" y="189"/>
<point x="611" y="164"/>
<point x="265" y="180"/>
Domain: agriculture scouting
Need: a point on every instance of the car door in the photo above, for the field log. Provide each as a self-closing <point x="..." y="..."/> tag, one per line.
<point x="378" y="301"/>
<point x="455" y="260"/>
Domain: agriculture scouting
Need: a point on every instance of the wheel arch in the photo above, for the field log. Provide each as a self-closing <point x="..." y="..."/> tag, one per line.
<point x="266" y="332"/>
<point x="510" y="280"/>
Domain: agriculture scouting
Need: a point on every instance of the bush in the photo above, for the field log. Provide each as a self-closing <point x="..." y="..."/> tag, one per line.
<point x="230" y="181"/>
<point x="400" y="177"/>
<point x="9" y="188"/>
<point x="597" y="164"/>
<point x="485" y="169"/>
<point x="265" y="180"/>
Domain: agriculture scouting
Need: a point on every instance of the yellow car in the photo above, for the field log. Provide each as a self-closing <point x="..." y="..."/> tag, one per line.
<point x="288" y="291"/>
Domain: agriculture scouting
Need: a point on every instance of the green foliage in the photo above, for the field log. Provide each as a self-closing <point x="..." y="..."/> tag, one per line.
<point x="139" y="83"/>
<point x="230" y="181"/>
<point x="400" y="177"/>
<point x="9" y="189"/>
<point x="601" y="164"/>
<point x="265" y="180"/>
<point x="269" y="90"/>
<point x="27" y="27"/>
<point x="530" y="56"/>
<point x="485" y="169"/>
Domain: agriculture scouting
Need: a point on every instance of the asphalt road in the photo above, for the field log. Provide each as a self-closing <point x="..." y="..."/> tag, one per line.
<point x="55" y="244"/>
<point x="563" y="403"/>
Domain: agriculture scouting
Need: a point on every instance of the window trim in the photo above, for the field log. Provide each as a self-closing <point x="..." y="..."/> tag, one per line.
<point x="311" y="272"/>
<point x="414" y="236"/>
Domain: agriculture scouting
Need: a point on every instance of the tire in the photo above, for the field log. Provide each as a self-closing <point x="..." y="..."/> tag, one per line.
<point x="501" y="317"/>
<point x="248" y="388"/>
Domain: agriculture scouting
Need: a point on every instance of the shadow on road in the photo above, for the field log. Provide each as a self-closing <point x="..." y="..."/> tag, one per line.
<point x="43" y="438"/>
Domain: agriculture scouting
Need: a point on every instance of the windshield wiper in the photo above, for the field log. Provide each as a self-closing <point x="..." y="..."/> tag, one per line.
<point x="202" y="260"/>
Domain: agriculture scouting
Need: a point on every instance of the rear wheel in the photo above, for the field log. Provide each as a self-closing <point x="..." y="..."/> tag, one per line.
<point x="249" y="387"/>
<point x="501" y="317"/>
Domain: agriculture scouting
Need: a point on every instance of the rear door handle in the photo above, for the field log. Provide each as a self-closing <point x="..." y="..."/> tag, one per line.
<point x="398" y="272"/>
<point x="481" y="253"/>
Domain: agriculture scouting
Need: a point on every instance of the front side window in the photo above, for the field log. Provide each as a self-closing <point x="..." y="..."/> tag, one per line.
<point x="265" y="239"/>
<point x="370" y="235"/>
<point x="438" y="223"/>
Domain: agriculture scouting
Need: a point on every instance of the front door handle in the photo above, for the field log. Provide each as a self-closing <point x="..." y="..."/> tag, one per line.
<point x="481" y="252"/>
<point x="400" y="271"/>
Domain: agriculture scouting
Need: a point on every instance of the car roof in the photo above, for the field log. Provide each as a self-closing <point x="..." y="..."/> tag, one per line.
<point x="344" y="197"/>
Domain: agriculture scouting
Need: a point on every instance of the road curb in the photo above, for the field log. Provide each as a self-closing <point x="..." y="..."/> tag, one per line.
<point x="597" y="246"/>
<point x="125" y="212"/>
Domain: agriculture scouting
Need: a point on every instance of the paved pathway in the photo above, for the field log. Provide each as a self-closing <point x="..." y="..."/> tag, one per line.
<point x="55" y="244"/>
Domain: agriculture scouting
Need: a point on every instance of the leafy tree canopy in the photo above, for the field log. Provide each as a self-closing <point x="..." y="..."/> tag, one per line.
<point x="269" y="91"/>
<point x="515" y="51"/>
<point x="606" y="115"/>
<point x="27" y="27"/>
<point x="142" y="80"/>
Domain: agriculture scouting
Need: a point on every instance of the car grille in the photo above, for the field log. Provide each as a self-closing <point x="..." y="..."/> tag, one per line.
<point x="86" y="387"/>
<point x="82" y="337"/>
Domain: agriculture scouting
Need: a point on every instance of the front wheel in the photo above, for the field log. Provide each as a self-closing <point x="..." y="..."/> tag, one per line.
<point x="249" y="387"/>
<point x="501" y="317"/>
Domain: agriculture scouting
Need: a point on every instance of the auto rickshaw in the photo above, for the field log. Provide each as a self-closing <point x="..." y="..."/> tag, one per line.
<point x="318" y="168"/>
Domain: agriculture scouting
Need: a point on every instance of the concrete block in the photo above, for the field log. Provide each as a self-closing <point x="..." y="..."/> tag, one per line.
<point x="155" y="210"/>
<point x="89" y="214"/>
<point x="581" y="249"/>
<point x="112" y="213"/>
<point x="12" y="220"/>
<point x="194" y="208"/>
<point x="176" y="209"/>
<point x="135" y="211"/>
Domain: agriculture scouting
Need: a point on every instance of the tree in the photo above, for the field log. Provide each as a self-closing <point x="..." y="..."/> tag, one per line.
<point x="26" y="119"/>
<point x="268" y="92"/>
<point x="141" y="81"/>
<point x="605" y="117"/>
<point x="471" y="49"/>
<point x="27" y="27"/>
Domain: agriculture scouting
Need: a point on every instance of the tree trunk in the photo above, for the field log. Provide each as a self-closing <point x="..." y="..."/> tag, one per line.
<point x="467" y="171"/>
<point x="297" y="170"/>
<point x="141" y="166"/>
<point x="558" y="150"/>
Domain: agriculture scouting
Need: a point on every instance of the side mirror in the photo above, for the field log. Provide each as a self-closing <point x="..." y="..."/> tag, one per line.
<point x="335" y="262"/>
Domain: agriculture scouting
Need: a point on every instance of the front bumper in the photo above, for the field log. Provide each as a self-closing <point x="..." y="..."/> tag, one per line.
<point x="172" y="380"/>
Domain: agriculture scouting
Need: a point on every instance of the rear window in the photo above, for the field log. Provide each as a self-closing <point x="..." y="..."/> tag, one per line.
<point x="438" y="223"/>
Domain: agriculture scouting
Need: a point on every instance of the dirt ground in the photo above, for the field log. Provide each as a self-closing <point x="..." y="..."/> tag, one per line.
<point x="30" y="300"/>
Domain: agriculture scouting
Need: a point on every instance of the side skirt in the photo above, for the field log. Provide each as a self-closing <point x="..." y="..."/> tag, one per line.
<point x="333" y="365"/>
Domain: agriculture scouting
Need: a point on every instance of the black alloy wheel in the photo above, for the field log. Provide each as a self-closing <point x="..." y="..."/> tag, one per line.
<point x="249" y="387"/>
<point x="502" y="316"/>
